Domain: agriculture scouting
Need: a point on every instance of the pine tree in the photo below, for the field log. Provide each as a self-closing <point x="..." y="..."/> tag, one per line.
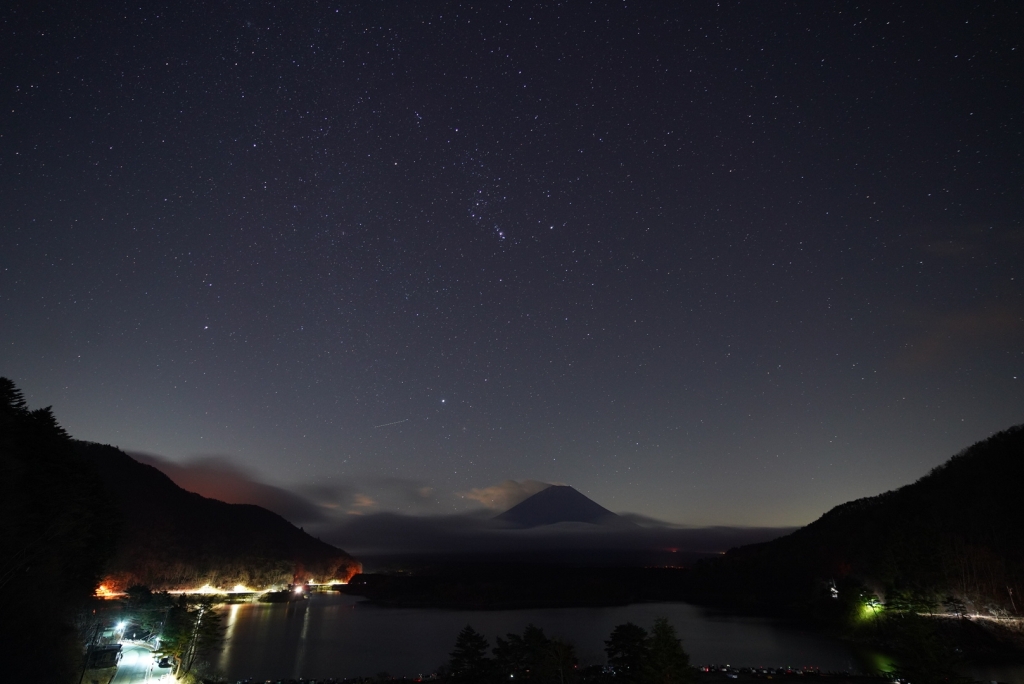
<point x="667" y="662"/>
<point x="535" y="657"/>
<point x="469" y="661"/>
<point x="12" y="401"/>
<point x="627" y="649"/>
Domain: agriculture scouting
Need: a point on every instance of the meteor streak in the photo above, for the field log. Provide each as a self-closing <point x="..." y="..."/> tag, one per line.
<point x="386" y="424"/>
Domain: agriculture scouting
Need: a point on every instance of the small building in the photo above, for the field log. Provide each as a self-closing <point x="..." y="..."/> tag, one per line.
<point x="100" y="657"/>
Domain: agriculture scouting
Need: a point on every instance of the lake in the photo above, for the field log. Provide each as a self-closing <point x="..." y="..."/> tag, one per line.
<point x="332" y="635"/>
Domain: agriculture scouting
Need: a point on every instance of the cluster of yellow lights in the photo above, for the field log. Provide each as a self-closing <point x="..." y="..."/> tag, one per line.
<point x="210" y="589"/>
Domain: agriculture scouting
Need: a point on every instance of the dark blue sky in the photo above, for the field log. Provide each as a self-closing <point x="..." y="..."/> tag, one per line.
<point x="719" y="263"/>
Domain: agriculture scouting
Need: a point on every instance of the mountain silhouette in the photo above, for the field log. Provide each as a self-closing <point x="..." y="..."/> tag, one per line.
<point x="958" y="531"/>
<point x="170" y="538"/>
<point x="559" y="504"/>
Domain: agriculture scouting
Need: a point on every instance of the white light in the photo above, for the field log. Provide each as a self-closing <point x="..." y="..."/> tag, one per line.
<point x="121" y="626"/>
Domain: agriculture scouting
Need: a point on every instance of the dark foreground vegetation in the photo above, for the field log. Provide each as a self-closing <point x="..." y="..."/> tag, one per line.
<point x="57" y="530"/>
<point x="634" y="657"/>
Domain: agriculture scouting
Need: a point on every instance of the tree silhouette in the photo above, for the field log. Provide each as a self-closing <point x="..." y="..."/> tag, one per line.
<point x="667" y="662"/>
<point x="535" y="657"/>
<point x="57" y="530"/>
<point x="192" y="627"/>
<point x="956" y="606"/>
<point x="12" y="401"/>
<point x="469" y="661"/>
<point x="628" y="649"/>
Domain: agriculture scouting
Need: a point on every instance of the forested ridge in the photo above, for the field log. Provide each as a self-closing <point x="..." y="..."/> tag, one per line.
<point x="175" y="539"/>
<point x="907" y="571"/>
<point x="955" y="534"/>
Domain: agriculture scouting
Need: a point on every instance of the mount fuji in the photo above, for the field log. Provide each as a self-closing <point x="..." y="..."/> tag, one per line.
<point x="560" y="504"/>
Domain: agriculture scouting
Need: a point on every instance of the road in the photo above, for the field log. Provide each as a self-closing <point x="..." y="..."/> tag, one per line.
<point x="138" y="666"/>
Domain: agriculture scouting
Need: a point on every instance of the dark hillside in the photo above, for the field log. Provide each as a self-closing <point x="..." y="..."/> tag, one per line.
<point x="172" y="538"/>
<point x="958" y="531"/>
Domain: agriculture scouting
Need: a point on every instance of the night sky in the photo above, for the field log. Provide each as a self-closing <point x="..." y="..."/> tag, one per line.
<point x="713" y="263"/>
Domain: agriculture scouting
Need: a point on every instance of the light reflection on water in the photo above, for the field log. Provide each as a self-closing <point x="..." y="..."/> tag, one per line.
<point x="230" y="619"/>
<point x="339" y="636"/>
<point x="300" y="656"/>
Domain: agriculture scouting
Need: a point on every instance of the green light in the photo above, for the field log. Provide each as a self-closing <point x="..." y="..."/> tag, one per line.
<point x="870" y="608"/>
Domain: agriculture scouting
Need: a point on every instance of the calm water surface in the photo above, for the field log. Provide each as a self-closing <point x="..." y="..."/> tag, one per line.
<point x="331" y="635"/>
